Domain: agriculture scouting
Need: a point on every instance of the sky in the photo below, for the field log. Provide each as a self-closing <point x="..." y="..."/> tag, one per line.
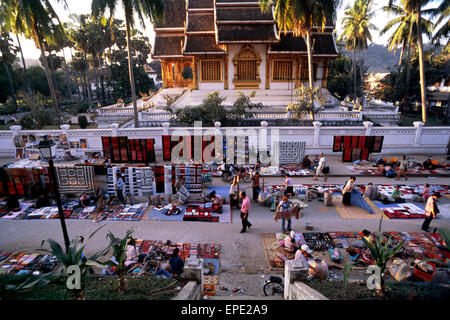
<point x="84" y="7"/>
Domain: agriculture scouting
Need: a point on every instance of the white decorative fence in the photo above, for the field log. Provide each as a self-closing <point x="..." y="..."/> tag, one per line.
<point x="397" y="140"/>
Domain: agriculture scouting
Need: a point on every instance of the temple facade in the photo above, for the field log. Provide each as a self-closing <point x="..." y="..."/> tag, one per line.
<point x="231" y="44"/>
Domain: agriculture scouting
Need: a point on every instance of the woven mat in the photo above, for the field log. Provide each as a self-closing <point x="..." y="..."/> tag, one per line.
<point x="213" y="279"/>
<point x="353" y="212"/>
<point x="272" y="250"/>
<point x="446" y="195"/>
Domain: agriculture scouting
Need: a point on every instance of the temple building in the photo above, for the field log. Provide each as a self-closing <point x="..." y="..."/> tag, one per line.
<point x="231" y="44"/>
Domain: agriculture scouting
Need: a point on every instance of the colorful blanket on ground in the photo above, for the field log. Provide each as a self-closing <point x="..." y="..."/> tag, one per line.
<point x="371" y="170"/>
<point x="401" y="210"/>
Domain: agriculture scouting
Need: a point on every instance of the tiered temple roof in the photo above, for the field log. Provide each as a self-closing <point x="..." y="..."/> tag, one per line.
<point x="197" y="27"/>
<point x="322" y="44"/>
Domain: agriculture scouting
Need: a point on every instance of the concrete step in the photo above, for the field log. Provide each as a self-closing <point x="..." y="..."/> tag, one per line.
<point x="245" y="298"/>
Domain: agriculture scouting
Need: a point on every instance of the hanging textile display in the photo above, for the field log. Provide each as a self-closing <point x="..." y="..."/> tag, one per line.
<point x="142" y="150"/>
<point x="168" y="180"/>
<point x="138" y="180"/>
<point x="357" y="147"/>
<point x="75" y="179"/>
<point x="192" y="176"/>
<point x="116" y="149"/>
<point x="159" y="179"/>
<point x="291" y="151"/>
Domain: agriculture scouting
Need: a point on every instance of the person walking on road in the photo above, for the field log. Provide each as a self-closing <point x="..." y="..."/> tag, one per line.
<point x="120" y="185"/>
<point x="289" y="185"/>
<point x="347" y="191"/>
<point x="320" y="167"/>
<point x="245" y="209"/>
<point x="431" y="210"/>
<point x="403" y="167"/>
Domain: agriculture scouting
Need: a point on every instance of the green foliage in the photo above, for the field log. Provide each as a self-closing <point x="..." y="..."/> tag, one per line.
<point x="119" y="246"/>
<point x="73" y="256"/>
<point x="22" y="283"/>
<point x="240" y="106"/>
<point x="340" y="79"/>
<point x="305" y="105"/>
<point x="38" y="118"/>
<point x="436" y="68"/>
<point x="210" y="111"/>
<point x="82" y="121"/>
<point x="380" y="251"/>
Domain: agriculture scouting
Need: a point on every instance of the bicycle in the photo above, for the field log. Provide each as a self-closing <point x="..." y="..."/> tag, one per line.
<point x="273" y="286"/>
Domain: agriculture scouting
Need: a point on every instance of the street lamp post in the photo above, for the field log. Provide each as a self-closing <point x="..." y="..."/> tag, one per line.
<point x="47" y="148"/>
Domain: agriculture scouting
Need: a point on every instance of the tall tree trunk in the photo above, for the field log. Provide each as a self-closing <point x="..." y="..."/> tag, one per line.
<point x="354" y="71"/>
<point x="361" y="72"/>
<point x="69" y="83"/>
<point x="86" y="77"/>
<point x="408" y="68"/>
<point x="131" y="73"/>
<point x="400" y="60"/>
<point x="310" y="65"/>
<point x="421" y="66"/>
<point x="102" y="79"/>
<point x="24" y="66"/>
<point x="49" y="79"/>
<point x="10" y="82"/>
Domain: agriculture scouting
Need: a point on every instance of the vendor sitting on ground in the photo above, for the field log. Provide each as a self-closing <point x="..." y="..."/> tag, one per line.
<point x="318" y="269"/>
<point x="396" y="195"/>
<point x="371" y="191"/>
<point x="289" y="243"/>
<point x="366" y="234"/>
<point x="179" y="183"/>
<point x="315" y="162"/>
<point x="12" y="204"/>
<point x="85" y="200"/>
<point x="176" y="264"/>
<point x="43" y="201"/>
<point x="304" y="251"/>
<point x="217" y="201"/>
<point x="428" y="165"/>
<point x="389" y="172"/>
<point x="306" y="163"/>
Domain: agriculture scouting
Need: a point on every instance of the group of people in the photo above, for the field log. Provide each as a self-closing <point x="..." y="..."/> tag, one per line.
<point x="318" y="165"/>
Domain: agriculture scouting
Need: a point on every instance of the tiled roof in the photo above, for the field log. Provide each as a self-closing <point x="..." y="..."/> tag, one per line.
<point x="202" y="45"/>
<point x="322" y="43"/>
<point x="246" y="33"/>
<point x="200" y="4"/>
<point x="200" y="22"/>
<point x="174" y="14"/>
<point x="168" y="46"/>
<point x="241" y="14"/>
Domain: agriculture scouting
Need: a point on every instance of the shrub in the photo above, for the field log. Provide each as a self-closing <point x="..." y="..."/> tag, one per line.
<point x="82" y="122"/>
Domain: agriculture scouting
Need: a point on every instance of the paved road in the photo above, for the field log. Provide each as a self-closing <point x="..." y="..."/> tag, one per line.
<point x="242" y="259"/>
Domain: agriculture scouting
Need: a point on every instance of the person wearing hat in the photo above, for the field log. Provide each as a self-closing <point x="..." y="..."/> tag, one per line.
<point x="431" y="210"/>
<point x="289" y="243"/>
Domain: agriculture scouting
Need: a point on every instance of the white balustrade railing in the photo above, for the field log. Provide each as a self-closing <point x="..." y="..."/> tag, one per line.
<point x="397" y="140"/>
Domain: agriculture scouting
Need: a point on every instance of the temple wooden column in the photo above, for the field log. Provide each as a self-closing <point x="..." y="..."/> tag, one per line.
<point x="298" y="76"/>
<point x="267" y="71"/>
<point x="195" y="73"/>
<point x="325" y="73"/>
<point x="225" y="73"/>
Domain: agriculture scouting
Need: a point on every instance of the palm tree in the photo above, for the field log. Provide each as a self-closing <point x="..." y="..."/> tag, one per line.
<point x="443" y="11"/>
<point x="302" y="17"/>
<point x="406" y="35"/>
<point x="35" y="20"/>
<point x="415" y="6"/>
<point x="152" y="9"/>
<point x="7" y="57"/>
<point x="357" y="28"/>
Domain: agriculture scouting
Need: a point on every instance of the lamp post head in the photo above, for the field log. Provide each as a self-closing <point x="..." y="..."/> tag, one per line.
<point x="47" y="147"/>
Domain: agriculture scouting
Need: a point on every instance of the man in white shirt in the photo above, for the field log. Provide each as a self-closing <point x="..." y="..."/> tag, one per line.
<point x="320" y="167"/>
